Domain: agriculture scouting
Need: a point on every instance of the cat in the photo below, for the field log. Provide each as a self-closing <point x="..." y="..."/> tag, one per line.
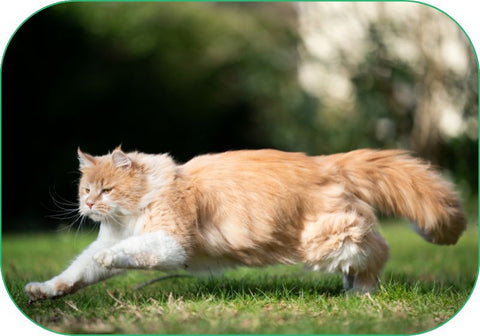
<point x="253" y="208"/>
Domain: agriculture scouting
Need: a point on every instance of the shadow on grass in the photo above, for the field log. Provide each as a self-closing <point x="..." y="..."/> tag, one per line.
<point x="98" y="305"/>
<point x="231" y="288"/>
<point x="284" y="287"/>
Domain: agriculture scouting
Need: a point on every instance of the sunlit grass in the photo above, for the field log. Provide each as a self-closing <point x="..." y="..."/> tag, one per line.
<point x="423" y="285"/>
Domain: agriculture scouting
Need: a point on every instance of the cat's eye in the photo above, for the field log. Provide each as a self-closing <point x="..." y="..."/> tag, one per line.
<point x="87" y="190"/>
<point x="106" y="190"/>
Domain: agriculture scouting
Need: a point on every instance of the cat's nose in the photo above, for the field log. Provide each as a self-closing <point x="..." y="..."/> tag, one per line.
<point x="90" y="204"/>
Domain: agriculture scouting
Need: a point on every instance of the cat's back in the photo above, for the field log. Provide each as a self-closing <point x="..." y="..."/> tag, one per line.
<point x="251" y="176"/>
<point x="251" y="165"/>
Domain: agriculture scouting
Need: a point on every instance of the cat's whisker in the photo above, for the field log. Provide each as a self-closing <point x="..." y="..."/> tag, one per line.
<point x="65" y="210"/>
<point x="64" y="203"/>
<point x="64" y="214"/>
<point x="76" y="217"/>
<point x="113" y="219"/>
<point x="94" y="226"/>
<point x="82" y="219"/>
<point x="60" y="200"/>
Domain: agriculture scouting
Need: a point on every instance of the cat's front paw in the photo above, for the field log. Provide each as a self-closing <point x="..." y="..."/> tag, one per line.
<point x="38" y="291"/>
<point x="104" y="258"/>
<point x="47" y="290"/>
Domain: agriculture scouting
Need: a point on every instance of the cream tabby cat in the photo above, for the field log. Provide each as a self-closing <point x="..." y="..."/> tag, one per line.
<point x="252" y="208"/>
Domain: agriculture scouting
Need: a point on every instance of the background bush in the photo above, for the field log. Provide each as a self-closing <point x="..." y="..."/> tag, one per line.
<point x="192" y="78"/>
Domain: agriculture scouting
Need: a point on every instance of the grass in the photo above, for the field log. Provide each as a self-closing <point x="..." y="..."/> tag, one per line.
<point x="422" y="286"/>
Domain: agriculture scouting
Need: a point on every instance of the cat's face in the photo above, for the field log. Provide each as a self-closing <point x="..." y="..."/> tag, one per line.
<point x="111" y="186"/>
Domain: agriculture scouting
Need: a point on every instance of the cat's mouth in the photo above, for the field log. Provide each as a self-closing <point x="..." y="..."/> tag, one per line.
<point x="94" y="215"/>
<point x="103" y="213"/>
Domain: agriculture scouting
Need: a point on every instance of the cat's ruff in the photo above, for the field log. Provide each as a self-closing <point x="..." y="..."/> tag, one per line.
<point x="252" y="208"/>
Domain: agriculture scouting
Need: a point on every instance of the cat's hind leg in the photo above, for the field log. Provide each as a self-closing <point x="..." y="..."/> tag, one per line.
<point x="346" y="242"/>
<point x="157" y="250"/>
<point x="377" y="251"/>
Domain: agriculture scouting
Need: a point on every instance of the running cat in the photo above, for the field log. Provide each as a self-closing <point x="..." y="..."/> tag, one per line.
<point x="254" y="208"/>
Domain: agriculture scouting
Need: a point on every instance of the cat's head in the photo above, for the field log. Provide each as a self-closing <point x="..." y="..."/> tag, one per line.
<point x="111" y="186"/>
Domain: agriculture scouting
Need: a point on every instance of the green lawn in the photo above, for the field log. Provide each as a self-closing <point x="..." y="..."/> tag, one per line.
<point x="423" y="285"/>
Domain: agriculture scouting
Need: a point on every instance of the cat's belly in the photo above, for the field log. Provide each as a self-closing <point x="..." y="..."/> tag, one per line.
<point x="206" y="263"/>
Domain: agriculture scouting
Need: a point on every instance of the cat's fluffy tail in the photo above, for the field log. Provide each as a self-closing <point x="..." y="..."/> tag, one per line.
<point x="398" y="184"/>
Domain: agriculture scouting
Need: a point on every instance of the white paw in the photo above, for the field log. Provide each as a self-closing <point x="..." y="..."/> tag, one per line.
<point x="50" y="289"/>
<point x="40" y="290"/>
<point x="104" y="258"/>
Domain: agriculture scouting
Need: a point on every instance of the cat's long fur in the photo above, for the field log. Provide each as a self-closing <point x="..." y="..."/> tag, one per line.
<point x="253" y="208"/>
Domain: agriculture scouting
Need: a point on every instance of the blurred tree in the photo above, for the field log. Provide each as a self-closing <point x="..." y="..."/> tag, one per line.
<point x="184" y="78"/>
<point x="190" y="78"/>
<point x="392" y="75"/>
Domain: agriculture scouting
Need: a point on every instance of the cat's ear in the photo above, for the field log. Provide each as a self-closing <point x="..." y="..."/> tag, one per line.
<point x="120" y="159"/>
<point x="85" y="160"/>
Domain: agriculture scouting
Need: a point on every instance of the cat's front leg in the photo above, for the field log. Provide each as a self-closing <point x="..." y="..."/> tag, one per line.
<point x="158" y="250"/>
<point x="83" y="271"/>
